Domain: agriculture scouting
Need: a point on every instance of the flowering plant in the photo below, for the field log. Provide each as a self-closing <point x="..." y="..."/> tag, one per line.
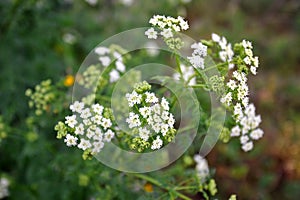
<point x="149" y="119"/>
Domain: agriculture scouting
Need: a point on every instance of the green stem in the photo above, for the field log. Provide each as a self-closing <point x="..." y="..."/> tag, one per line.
<point x="185" y="188"/>
<point x="178" y="66"/>
<point x="157" y="183"/>
<point x="190" y="78"/>
<point x="198" y="86"/>
<point x="213" y="67"/>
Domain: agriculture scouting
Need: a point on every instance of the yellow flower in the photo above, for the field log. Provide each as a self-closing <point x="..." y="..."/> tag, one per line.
<point x="148" y="187"/>
<point x="69" y="80"/>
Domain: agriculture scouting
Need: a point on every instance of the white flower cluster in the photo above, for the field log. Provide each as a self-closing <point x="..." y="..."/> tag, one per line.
<point x="250" y="60"/>
<point x="244" y="114"/>
<point x="197" y="58"/>
<point x="106" y="57"/>
<point x="237" y="90"/>
<point x="226" y="54"/>
<point x="168" y="25"/>
<point x="90" y="129"/>
<point x="247" y="127"/>
<point x="201" y="167"/>
<point x="150" y="117"/>
<point x="4" y="183"/>
<point x="187" y="73"/>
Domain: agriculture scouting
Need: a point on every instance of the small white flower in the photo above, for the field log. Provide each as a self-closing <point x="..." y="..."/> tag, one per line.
<point x="145" y="111"/>
<point x="120" y="66"/>
<point x="97" y="147"/>
<point x="237" y="109"/>
<point x="231" y="84"/>
<point x="176" y="28"/>
<point x="242" y="91"/>
<point x="167" y="33"/>
<point x="97" y="108"/>
<point x="171" y="120"/>
<point x="93" y="127"/>
<point x="84" y="144"/>
<point x="98" y="134"/>
<point x="151" y="33"/>
<point x="71" y="121"/>
<point x="151" y="98"/>
<point x="156" y="118"/>
<point x="154" y="20"/>
<point x="247" y="146"/>
<point x="105" y="60"/>
<point x="109" y="134"/>
<point x="79" y="130"/>
<point x="244" y="139"/>
<point x="118" y="56"/>
<point x="114" y="76"/>
<point x="133" y="120"/>
<point x="77" y="106"/>
<point x="106" y="123"/>
<point x="161" y="24"/>
<point x="249" y="53"/>
<point x="256" y="134"/>
<point x="164" y="128"/>
<point x="230" y="66"/>
<point x="253" y="70"/>
<point x="199" y="49"/>
<point x="184" y="25"/>
<point x="97" y="119"/>
<point x="157" y="143"/>
<point x="165" y="115"/>
<point x="255" y="61"/>
<point x="133" y="98"/>
<point x="197" y="61"/>
<point x="246" y="44"/>
<point x="202" y="168"/>
<point x="86" y="113"/>
<point x="223" y="43"/>
<point x="70" y="140"/>
<point x="165" y="104"/>
<point x="87" y="122"/>
<point x="235" y="131"/>
<point x="101" y="51"/>
<point x="223" y="56"/>
<point x="227" y="99"/>
<point x="90" y="133"/>
<point x="156" y="108"/>
<point x="245" y="101"/>
<point x="215" y="37"/>
<point x="247" y="60"/>
<point x="250" y="110"/>
<point x="144" y="133"/>
<point x="156" y="127"/>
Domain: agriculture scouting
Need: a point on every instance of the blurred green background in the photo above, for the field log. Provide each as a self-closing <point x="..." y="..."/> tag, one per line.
<point x="41" y="39"/>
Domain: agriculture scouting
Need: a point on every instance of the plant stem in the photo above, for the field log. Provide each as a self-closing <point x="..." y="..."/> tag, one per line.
<point x="185" y="188"/>
<point x="157" y="183"/>
<point x="212" y="67"/>
<point x="178" y="66"/>
<point x="198" y="86"/>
